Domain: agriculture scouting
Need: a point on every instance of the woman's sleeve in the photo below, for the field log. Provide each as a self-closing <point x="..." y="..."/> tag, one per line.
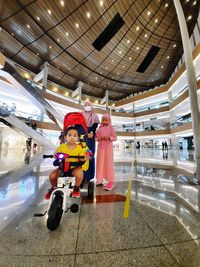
<point x="113" y="136"/>
<point x="97" y="136"/>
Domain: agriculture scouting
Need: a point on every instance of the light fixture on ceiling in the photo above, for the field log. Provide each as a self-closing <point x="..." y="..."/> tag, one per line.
<point x="38" y="54"/>
<point x="55" y="89"/>
<point x="137" y="48"/>
<point x="130" y="58"/>
<point x="137" y="28"/>
<point x="189" y="17"/>
<point x="120" y="52"/>
<point x="156" y="20"/>
<point x="49" y="11"/>
<point x="106" y="68"/>
<point x="117" y="73"/>
<point x="67" y="34"/>
<point x="77" y="25"/>
<point x="145" y="36"/>
<point x="28" y="26"/>
<point x="88" y="15"/>
<point x="174" y="45"/>
<point x="50" y="46"/>
<point x="67" y="93"/>
<point x="123" y="67"/>
<point x="62" y="3"/>
<point x="12" y="34"/>
<point x="113" y="60"/>
<point x="58" y="40"/>
<point x="166" y="5"/>
<point x="194" y="3"/>
<point x="38" y="18"/>
<point x="148" y="13"/>
<point x="168" y="57"/>
<point x="101" y="3"/>
<point x="128" y="41"/>
<point x="162" y="67"/>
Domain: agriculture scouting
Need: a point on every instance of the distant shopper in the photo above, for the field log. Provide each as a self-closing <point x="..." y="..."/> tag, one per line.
<point x="163" y="145"/>
<point x="138" y="145"/>
<point x="166" y="145"/>
<point x="34" y="126"/>
<point x="105" y="135"/>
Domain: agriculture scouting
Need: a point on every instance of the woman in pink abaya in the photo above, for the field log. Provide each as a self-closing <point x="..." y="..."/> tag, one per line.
<point x="105" y="135"/>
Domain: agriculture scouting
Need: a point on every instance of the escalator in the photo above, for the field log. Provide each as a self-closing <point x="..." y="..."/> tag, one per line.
<point x="22" y="128"/>
<point x="29" y="91"/>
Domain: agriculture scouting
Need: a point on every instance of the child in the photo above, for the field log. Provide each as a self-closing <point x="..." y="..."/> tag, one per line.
<point x="105" y="135"/>
<point x="72" y="149"/>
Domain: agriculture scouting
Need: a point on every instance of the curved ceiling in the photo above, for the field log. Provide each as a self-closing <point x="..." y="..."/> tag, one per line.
<point x="62" y="33"/>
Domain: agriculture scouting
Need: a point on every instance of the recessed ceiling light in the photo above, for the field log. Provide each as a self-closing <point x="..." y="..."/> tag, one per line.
<point x="128" y="41"/>
<point x="130" y="58"/>
<point x="67" y="93"/>
<point x="166" y="5"/>
<point x="189" y="18"/>
<point x="106" y="68"/>
<point x="101" y="3"/>
<point x="156" y="20"/>
<point x="137" y="48"/>
<point x="145" y="36"/>
<point x="117" y="73"/>
<point x="174" y="45"/>
<point x="96" y="78"/>
<point x="38" y="18"/>
<point x="194" y="3"/>
<point x="162" y="67"/>
<point x="148" y="13"/>
<point x="113" y="60"/>
<point x="62" y="3"/>
<point x="49" y="11"/>
<point x="88" y="15"/>
<point x="168" y="57"/>
<point x="137" y="28"/>
<point x="38" y="54"/>
<point x="120" y="52"/>
<point x="77" y="25"/>
<point x="50" y="46"/>
<point x="19" y="32"/>
<point x="58" y="40"/>
<point x="28" y="26"/>
<point x="67" y="34"/>
<point x="12" y="34"/>
<point x="123" y="67"/>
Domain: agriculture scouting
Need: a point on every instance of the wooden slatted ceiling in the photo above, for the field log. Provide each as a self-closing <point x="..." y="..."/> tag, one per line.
<point x="72" y="57"/>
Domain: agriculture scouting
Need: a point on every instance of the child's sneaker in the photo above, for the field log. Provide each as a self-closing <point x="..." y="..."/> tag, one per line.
<point x="76" y="192"/>
<point x="109" y="186"/>
<point x="48" y="194"/>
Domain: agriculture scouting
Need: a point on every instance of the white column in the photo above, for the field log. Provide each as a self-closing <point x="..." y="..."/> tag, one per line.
<point x="192" y="86"/>
<point x="175" y="149"/>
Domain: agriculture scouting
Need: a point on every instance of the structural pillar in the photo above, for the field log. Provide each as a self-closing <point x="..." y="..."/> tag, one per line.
<point x="192" y="86"/>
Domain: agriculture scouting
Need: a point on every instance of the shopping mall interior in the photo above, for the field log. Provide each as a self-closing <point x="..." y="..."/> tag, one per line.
<point x="137" y="60"/>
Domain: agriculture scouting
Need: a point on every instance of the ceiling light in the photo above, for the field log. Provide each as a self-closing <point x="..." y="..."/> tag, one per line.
<point x="168" y="57"/>
<point x="96" y="101"/>
<point x="77" y="25"/>
<point x="58" y="40"/>
<point x="128" y="41"/>
<point x="50" y="46"/>
<point x="189" y="18"/>
<point x="88" y="15"/>
<point x="137" y="48"/>
<point x="130" y="58"/>
<point x="26" y="75"/>
<point x="123" y="67"/>
<point x="148" y="13"/>
<point x="120" y="52"/>
<point x="194" y="3"/>
<point x="145" y="36"/>
<point x="118" y="73"/>
<point x="106" y="68"/>
<point x="174" y="45"/>
<point x="38" y="54"/>
<point x="49" y="11"/>
<point x="12" y="34"/>
<point x="38" y="18"/>
<point x="62" y="3"/>
<point x="113" y="60"/>
<point x="101" y="3"/>
<point x="166" y="5"/>
<point x="96" y="78"/>
<point x="19" y="32"/>
<point x="55" y="89"/>
<point x="162" y="67"/>
<point x="67" y="93"/>
<point x="67" y="34"/>
<point x="137" y="28"/>
<point x="28" y="26"/>
<point x="156" y="20"/>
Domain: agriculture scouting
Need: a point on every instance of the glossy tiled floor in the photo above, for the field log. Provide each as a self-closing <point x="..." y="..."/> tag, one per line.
<point x="162" y="229"/>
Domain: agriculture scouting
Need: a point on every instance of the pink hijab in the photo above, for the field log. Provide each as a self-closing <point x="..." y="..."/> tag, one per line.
<point x="90" y="116"/>
<point x="105" y="130"/>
